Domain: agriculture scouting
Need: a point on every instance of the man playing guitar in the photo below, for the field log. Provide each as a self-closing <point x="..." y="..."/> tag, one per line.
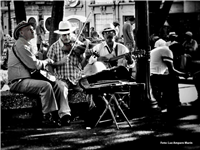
<point x="110" y="52"/>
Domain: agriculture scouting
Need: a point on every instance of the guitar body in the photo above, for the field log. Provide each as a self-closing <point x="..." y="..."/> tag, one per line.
<point x="91" y="69"/>
<point x="43" y="75"/>
<point x="48" y="75"/>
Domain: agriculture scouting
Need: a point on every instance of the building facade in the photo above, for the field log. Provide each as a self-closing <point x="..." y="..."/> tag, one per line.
<point x="184" y="15"/>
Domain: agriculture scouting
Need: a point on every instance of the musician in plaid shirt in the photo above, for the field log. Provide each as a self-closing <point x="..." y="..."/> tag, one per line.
<point x="65" y="68"/>
<point x="67" y="59"/>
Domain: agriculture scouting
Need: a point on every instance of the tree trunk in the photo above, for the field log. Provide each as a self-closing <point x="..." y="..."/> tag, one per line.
<point x="158" y="15"/>
<point x="20" y="12"/>
<point x="56" y="17"/>
<point x="142" y="42"/>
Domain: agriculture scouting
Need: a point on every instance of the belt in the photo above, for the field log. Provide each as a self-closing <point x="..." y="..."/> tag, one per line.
<point x="15" y="80"/>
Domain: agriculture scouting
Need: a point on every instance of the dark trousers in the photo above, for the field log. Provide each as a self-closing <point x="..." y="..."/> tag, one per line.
<point x="165" y="90"/>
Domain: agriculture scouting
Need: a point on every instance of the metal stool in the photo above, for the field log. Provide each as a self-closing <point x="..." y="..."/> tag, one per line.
<point x="108" y="107"/>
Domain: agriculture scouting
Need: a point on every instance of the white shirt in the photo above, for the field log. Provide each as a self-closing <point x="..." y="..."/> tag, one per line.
<point x="158" y="56"/>
<point x="103" y="49"/>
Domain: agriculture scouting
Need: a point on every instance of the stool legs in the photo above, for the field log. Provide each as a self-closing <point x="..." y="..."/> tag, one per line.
<point x="118" y="106"/>
<point x="108" y="107"/>
<point x="111" y="112"/>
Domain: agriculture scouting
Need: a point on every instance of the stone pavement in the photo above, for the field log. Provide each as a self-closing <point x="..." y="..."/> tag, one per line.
<point x="153" y="130"/>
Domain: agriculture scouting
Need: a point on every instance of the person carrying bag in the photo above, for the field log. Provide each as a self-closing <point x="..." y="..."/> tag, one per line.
<point x="37" y="74"/>
<point x="25" y="76"/>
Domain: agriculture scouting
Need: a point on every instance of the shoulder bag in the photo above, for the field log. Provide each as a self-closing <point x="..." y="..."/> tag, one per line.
<point x="38" y="74"/>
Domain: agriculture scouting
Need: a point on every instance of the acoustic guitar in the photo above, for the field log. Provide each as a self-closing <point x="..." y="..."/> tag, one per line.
<point x="97" y="66"/>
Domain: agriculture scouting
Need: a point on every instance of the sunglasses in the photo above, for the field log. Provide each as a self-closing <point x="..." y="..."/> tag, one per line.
<point x="109" y="32"/>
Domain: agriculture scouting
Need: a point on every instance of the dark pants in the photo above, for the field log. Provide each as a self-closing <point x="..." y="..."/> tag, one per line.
<point x="165" y="90"/>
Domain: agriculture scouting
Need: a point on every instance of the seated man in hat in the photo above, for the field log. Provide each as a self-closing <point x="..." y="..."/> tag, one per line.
<point x="67" y="61"/>
<point x="108" y="49"/>
<point x="104" y="52"/>
<point x="53" y="95"/>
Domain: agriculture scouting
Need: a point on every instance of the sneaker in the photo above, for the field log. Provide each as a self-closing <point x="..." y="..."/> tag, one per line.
<point x="48" y="121"/>
<point x="65" y="120"/>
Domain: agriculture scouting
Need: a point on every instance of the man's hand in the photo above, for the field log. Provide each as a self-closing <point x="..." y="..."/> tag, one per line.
<point x="49" y="61"/>
<point x="129" y="58"/>
<point x="62" y="61"/>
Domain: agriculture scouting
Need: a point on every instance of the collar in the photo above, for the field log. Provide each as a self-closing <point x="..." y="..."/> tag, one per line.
<point x="24" y="41"/>
<point x="106" y="45"/>
<point x="60" y="42"/>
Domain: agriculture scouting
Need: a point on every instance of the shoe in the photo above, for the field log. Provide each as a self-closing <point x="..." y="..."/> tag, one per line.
<point x="193" y="103"/>
<point x="48" y="121"/>
<point x="65" y="120"/>
<point x="155" y="108"/>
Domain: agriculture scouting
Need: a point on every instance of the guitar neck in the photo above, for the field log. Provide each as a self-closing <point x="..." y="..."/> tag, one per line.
<point x="117" y="57"/>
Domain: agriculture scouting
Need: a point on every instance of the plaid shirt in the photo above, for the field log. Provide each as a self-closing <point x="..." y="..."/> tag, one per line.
<point x="71" y="70"/>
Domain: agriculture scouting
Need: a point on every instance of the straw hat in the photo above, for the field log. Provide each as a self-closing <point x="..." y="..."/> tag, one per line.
<point x="108" y="27"/>
<point x="21" y="25"/>
<point x="65" y="27"/>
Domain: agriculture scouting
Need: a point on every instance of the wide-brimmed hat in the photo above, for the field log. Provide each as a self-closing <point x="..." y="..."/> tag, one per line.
<point x="65" y="27"/>
<point x="108" y="27"/>
<point x="189" y="33"/>
<point x="21" y="25"/>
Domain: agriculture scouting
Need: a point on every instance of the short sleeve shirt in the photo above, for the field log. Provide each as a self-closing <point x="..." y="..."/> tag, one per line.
<point x="158" y="57"/>
<point x="103" y="50"/>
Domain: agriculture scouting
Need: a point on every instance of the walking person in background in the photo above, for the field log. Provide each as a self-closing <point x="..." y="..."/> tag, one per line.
<point x="190" y="47"/>
<point x="40" y="31"/>
<point x="53" y="95"/>
<point x="128" y="36"/>
<point x="116" y="25"/>
<point x="176" y="49"/>
<point x="1" y="40"/>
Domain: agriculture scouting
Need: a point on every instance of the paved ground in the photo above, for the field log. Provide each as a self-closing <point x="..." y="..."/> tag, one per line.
<point x="152" y="131"/>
